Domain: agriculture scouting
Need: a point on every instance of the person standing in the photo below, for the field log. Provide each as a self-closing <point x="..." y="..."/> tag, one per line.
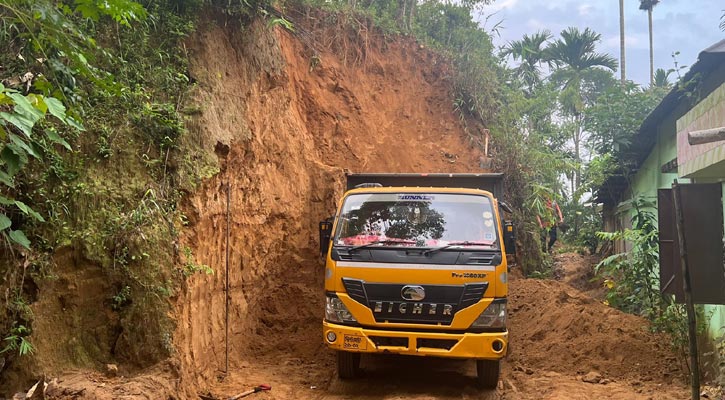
<point x="548" y="224"/>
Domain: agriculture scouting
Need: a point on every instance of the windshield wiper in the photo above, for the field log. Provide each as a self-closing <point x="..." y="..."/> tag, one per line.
<point x="452" y="244"/>
<point x="387" y="241"/>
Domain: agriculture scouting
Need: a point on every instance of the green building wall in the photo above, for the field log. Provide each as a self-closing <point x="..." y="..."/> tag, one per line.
<point x="709" y="112"/>
<point x="649" y="178"/>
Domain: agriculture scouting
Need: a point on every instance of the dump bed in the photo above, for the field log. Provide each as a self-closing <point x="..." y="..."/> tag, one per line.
<point x="491" y="182"/>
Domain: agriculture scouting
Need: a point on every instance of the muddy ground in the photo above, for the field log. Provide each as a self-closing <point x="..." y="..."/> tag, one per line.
<point x="565" y="344"/>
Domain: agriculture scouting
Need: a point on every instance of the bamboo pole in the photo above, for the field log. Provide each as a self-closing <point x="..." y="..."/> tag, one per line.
<point x="691" y="322"/>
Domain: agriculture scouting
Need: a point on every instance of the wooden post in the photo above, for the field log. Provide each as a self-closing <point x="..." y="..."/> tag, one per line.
<point x="691" y="323"/>
<point x="226" y="288"/>
<point x="706" y="136"/>
<point x="486" y="136"/>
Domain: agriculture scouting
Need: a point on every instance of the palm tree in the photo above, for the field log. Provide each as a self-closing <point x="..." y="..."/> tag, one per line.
<point x="661" y="79"/>
<point x="576" y="63"/>
<point x="648" y="5"/>
<point x="529" y="50"/>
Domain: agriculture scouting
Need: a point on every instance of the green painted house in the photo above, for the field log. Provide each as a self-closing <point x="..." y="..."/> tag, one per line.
<point x="663" y="153"/>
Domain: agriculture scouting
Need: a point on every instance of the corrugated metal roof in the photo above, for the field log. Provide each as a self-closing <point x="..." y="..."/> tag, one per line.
<point x="718" y="47"/>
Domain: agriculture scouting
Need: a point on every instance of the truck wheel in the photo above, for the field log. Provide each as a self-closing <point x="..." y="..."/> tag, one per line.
<point x="348" y="364"/>
<point x="487" y="373"/>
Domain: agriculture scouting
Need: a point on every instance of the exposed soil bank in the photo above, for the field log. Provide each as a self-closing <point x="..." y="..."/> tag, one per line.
<point x="540" y="365"/>
<point x="285" y="122"/>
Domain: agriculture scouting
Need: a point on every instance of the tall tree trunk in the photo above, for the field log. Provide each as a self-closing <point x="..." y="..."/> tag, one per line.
<point x="575" y="196"/>
<point x="403" y="15"/>
<point x="576" y="138"/>
<point x="411" y="16"/>
<point x="651" y="50"/>
<point x="577" y="155"/>
<point x="621" y="41"/>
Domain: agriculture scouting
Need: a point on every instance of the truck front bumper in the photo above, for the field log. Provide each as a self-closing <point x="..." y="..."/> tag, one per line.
<point x="489" y="345"/>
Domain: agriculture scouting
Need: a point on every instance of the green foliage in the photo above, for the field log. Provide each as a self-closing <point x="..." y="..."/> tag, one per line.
<point x="23" y="114"/>
<point x="122" y="298"/>
<point x="576" y="63"/>
<point x="662" y="78"/>
<point x="17" y="341"/>
<point x="584" y="224"/>
<point x="161" y="123"/>
<point x="110" y="194"/>
<point x="530" y="50"/>
<point x="451" y="28"/>
<point x="191" y="266"/>
<point x="632" y="279"/>
<point x="617" y="116"/>
<point x="121" y="11"/>
<point x="647" y="5"/>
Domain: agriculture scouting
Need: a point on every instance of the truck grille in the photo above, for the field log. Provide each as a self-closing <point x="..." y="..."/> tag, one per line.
<point x="439" y="305"/>
<point x="385" y="341"/>
<point x="446" y="344"/>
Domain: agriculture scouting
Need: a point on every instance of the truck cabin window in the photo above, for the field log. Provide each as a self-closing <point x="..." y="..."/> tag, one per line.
<point x="417" y="220"/>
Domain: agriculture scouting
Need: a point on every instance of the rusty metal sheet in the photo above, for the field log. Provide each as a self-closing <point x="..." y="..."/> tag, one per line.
<point x="702" y="210"/>
<point x="670" y="272"/>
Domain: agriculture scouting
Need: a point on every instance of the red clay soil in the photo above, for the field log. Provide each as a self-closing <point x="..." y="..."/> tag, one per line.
<point x="542" y="364"/>
<point x="563" y="330"/>
<point x="577" y="271"/>
<point x="286" y="121"/>
<point x="287" y="129"/>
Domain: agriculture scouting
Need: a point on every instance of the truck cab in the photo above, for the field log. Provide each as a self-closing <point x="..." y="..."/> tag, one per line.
<point x="415" y="264"/>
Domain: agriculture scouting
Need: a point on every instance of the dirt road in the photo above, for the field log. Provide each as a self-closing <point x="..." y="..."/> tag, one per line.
<point x="565" y="344"/>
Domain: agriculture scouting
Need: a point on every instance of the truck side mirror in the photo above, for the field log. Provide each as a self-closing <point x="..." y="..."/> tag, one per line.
<point x="325" y="234"/>
<point x="509" y="237"/>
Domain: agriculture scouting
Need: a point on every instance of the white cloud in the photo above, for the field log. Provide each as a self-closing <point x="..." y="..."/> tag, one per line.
<point x="632" y="41"/>
<point x="612" y="42"/>
<point x="535" y="25"/>
<point x="500" y="5"/>
<point x="585" y="9"/>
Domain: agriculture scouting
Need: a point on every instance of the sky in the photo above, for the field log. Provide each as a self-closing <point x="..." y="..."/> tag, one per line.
<point x="687" y="26"/>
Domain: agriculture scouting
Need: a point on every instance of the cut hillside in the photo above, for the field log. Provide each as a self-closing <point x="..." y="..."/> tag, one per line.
<point x="285" y="115"/>
<point x="286" y="128"/>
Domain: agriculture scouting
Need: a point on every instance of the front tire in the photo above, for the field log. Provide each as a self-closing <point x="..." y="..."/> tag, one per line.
<point x="348" y="364"/>
<point x="488" y="372"/>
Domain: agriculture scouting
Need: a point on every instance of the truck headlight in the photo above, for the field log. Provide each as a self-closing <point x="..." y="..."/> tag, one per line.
<point x="335" y="311"/>
<point x="494" y="316"/>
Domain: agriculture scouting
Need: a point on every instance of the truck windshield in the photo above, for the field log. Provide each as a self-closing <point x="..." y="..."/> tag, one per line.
<point x="416" y="220"/>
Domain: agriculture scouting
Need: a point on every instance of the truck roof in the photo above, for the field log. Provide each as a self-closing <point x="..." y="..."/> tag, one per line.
<point x="490" y="182"/>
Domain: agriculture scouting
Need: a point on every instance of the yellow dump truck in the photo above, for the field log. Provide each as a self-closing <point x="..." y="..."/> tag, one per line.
<point x="416" y="265"/>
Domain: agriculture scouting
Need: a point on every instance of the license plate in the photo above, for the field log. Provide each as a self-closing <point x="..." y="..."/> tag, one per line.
<point x="354" y="342"/>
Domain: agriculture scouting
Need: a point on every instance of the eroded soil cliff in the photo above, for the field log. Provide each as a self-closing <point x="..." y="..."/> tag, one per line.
<point x="286" y="115"/>
<point x="287" y="118"/>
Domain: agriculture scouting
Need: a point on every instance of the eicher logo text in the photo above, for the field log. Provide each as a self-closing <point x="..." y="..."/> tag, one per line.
<point x="404" y="308"/>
